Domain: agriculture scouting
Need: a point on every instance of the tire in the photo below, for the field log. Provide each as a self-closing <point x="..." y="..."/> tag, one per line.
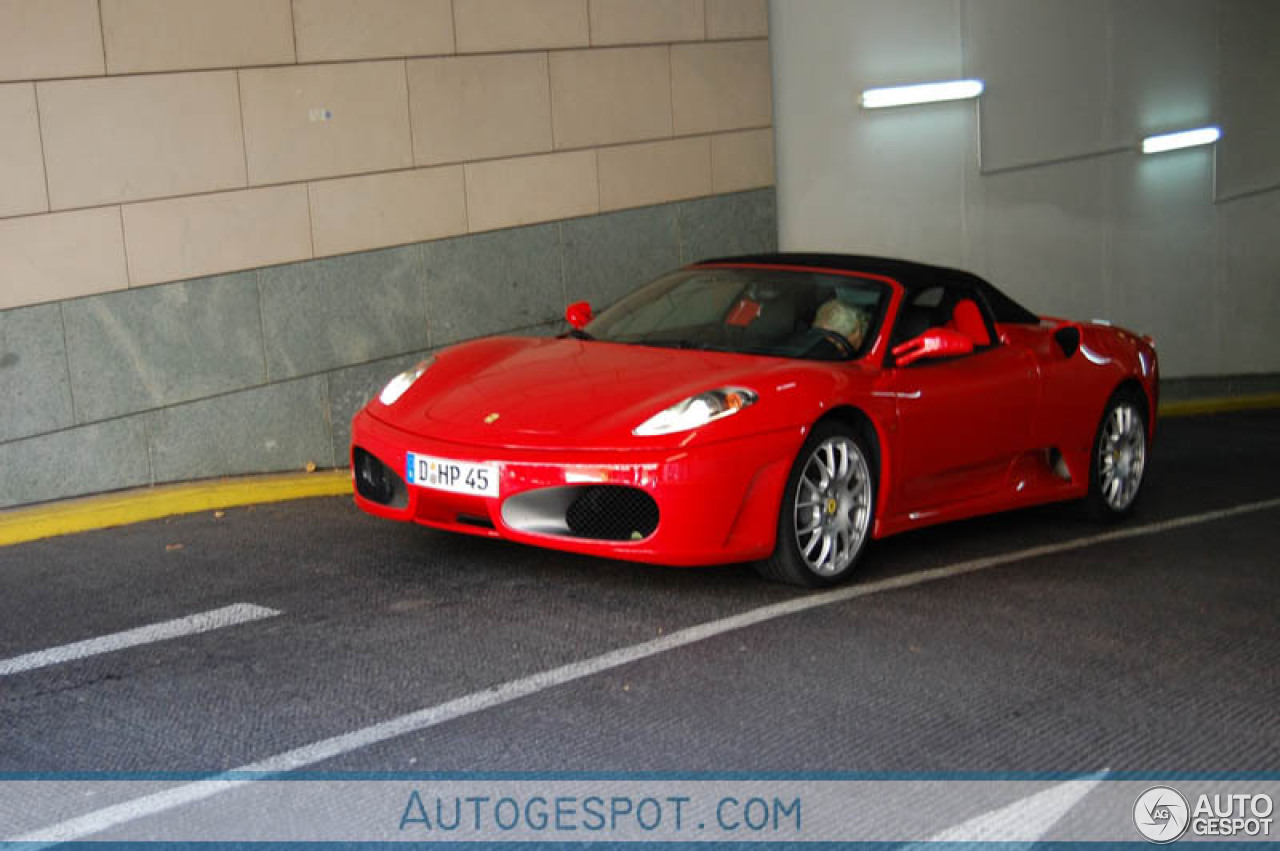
<point x="827" y="511"/>
<point x="1118" y="462"/>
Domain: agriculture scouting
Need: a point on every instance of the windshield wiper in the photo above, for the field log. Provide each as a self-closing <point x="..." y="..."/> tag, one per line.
<point x="577" y="334"/>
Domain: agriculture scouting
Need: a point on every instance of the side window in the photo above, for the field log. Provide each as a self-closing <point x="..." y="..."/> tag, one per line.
<point x="922" y="310"/>
<point x="943" y="306"/>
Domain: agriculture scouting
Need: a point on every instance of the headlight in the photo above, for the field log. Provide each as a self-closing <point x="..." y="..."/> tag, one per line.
<point x="697" y="411"/>
<point x="397" y="386"/>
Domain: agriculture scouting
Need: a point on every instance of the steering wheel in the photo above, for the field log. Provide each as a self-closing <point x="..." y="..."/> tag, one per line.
<point x="840" y="342"/>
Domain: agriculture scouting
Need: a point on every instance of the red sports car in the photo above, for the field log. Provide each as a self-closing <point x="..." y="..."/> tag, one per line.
<point x="783" y="409"/>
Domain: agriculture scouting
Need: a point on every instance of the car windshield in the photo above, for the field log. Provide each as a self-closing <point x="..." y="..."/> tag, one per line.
<point x="783" y="313"/>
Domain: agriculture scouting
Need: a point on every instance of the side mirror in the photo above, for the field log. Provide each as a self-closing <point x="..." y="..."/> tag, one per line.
<point x="1068" y="339"/>
<point x="934" y="343"/>
<point x="578" y="314"/>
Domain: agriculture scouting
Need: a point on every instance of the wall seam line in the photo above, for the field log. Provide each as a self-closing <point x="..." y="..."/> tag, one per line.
<point x="102" y="36"/>
<point x="262" y="326"/>
<point x="466" y="202"/>
<point x="267" y="66"/>
<point x="551" y="103"/>
<point x="671" y="88"/>
<point x="201" y="193"/>
<point x="311" y="222"/>
<point x="599" y="189"/>
<point x="312" y="255"/>
<point x="44" y="157"/>
<point x="124" y="247"/>
<point x="244" y="137"/>
<point x="293" y="29"/>
<point x="66" y="360"/>
<point x="453" y="23"/>
<point x="408" y="108"/>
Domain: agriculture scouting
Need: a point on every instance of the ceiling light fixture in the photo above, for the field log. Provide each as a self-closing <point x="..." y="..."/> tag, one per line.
<point x="921" y="93"/>
<point x="1181" y="139"/>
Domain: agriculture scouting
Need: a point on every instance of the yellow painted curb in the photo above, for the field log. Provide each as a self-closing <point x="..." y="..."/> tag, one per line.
<point x="1191" y="407"/>
<point x="18" y="525"/>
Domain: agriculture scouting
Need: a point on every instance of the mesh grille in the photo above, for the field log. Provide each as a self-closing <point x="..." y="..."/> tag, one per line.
<point x="612" y="513"/>
<point x="375" y="481"/>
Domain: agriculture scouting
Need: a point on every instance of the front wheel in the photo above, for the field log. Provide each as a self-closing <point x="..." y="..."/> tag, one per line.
<point x="1119" y="459"/>
<point x="827" y="510"/>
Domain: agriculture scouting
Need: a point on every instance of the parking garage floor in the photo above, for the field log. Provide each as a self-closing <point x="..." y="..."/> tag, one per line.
<point x="1036" y="641"/>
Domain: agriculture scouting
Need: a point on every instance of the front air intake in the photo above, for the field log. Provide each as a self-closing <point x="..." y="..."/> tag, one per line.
<point x="376" y="481"/>
<point x="594" y="512"/>
<point x="612" y="513"/>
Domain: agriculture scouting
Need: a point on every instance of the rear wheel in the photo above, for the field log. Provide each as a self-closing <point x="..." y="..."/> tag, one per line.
<point x="827" y="510"/>
<point x="1119" y="461"/>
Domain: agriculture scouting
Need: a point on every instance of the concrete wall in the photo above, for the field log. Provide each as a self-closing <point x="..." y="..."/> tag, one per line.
<point x="224" y="223"/>
<point x="1041" y="187"/>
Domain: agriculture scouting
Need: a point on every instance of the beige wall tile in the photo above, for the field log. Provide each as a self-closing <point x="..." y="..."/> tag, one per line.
<point x="128" y="138"/>
<point x="507" y="193"/>
<point x="373" y="211"/>
<point x="325" y="120"/>
<point x="605" y="96"/>
<point x="486" y="26"/>
<point x="737" y="18"/>
<point x="334" y="30"/>
<point x="742" y="160"/>
<point x="479" y="107"/>
<point x="61" y="255"/>
<point x="207" y="234"/>
<point x="21" y="160"/>
<point x="41" y="39"/>
<point x="654" y="172"/>
<point x="646" y="21"/>
<point x="722" y="86"/>
<point x="173" y="35"/>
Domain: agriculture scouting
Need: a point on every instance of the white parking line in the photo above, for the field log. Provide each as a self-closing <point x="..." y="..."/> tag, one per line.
<point x="190" y="625"/>
<point x="317" y="752"/>
<point x="1025" y="821"/>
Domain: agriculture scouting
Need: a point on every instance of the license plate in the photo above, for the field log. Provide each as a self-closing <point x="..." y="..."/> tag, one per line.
<point x="453" y="476"/>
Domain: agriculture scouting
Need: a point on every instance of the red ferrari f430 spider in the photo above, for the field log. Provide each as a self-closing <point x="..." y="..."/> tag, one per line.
<point x="784" y="409"/>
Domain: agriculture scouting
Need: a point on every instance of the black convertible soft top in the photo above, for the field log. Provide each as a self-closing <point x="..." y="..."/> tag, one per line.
<point x="910" y="274"/>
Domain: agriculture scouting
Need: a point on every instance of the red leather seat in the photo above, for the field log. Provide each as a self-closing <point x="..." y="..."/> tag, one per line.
<point x="967" y="319"/>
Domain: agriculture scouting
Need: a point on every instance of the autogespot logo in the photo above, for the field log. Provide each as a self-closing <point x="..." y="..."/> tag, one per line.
<point x="1161" y="814"/>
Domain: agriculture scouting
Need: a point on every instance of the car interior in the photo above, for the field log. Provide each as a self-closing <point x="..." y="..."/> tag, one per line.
<point x="943" y="307"/>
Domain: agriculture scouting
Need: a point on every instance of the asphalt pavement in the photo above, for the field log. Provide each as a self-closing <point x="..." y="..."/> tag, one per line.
<point x="1033" y="645"/>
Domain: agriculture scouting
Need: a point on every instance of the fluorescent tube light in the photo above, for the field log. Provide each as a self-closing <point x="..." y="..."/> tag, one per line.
<point x="1182" y="139"/>
<point x="921" y="93"/>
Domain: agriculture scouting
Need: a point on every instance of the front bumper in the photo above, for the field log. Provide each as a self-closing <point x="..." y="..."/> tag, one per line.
<point x="716" y="503"/>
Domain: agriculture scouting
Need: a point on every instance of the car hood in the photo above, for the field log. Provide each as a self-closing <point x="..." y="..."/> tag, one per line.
<point x="543" y="393"/>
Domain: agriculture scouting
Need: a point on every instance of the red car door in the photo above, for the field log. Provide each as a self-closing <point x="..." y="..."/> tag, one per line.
<point x="961" y="421"/>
